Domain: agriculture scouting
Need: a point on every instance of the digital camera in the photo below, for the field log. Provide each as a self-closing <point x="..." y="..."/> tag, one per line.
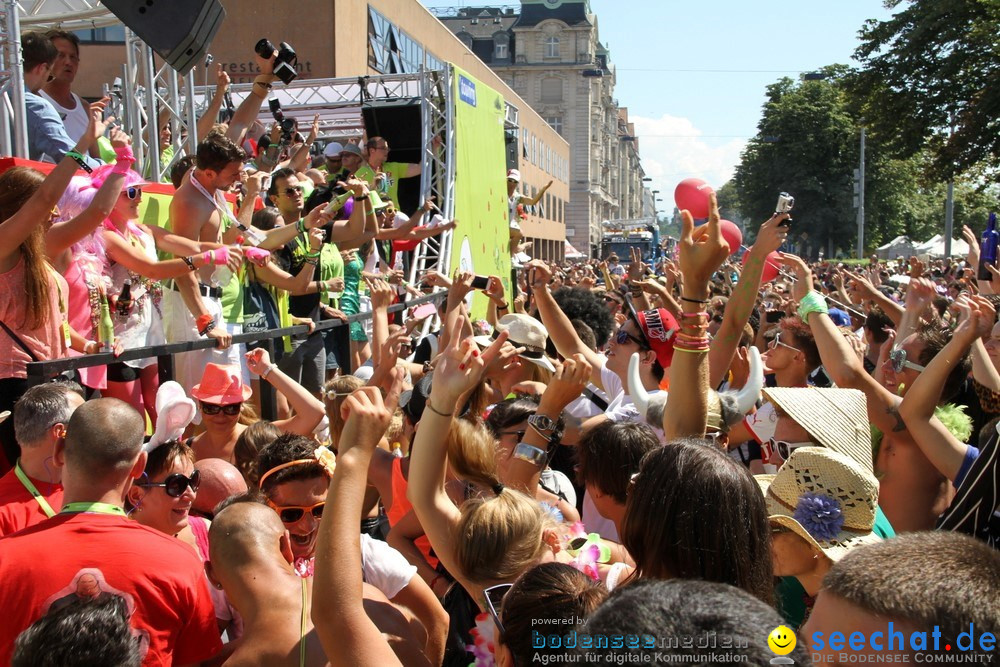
<point x="284" y="61"/>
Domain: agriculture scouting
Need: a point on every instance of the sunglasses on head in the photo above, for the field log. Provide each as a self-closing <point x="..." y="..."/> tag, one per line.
<point x="293" y="513"/>
<point x="494" y="601"/>
<point x="133" y="192"/>
<point x="176" y="484"/>
<point x="897" y="358"/>
<point x="214" y="409"/>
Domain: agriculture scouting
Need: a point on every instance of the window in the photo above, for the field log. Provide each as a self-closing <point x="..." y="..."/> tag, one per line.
<point x="555" y="122"/>
<point x="552" y="47"/>
<point x="501" y="46"/>
<point x="114" y="34"/>
<point x="391" y="50"/>
<point x="552" y="89"/>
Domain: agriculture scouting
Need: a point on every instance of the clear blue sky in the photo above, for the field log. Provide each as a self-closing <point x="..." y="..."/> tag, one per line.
<point x="695" y="123"/>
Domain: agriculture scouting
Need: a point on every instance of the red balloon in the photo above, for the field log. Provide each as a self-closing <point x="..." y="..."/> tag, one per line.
<point x="692" y="194"/>
<point x="732" y="234"/>
<point x="771" y="265"/>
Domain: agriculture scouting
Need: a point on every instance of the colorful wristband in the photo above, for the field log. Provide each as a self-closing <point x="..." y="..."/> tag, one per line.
<point x="813" y="302"/>
<point x="256" y="254"/>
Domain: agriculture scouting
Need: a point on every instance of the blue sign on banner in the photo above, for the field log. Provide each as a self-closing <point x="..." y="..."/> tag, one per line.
<point x="466" y="90"/>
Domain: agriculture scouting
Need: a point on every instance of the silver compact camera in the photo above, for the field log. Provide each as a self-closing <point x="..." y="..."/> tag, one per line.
<point x="785" y="203"/>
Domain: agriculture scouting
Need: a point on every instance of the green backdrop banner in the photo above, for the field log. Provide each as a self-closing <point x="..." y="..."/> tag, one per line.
<point x="482" y="237"/>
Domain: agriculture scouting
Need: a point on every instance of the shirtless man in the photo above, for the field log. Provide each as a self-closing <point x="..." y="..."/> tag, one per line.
<point x="912" y="492"/>
<point x="251" y="558"/>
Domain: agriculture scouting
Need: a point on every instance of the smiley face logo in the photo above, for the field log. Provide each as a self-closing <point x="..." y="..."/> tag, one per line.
<point x="781" y="640"/>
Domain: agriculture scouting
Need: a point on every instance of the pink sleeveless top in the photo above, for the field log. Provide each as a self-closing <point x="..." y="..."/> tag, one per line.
<point x="46" y="342"/>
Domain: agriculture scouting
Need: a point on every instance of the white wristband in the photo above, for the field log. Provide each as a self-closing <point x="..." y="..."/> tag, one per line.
<point x="267" y="371"/>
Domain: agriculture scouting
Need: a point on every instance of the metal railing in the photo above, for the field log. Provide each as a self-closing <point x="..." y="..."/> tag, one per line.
<point x="164" y="353"/>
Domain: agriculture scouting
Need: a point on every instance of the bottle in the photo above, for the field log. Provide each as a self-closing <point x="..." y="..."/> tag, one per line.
<point x="105" y="327"/>
<point x="123" y="306"/>
<point x="338" y="202"/>
<point x="988" y="248"/>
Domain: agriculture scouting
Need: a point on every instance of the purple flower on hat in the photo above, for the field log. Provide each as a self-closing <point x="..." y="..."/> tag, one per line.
<point x="820" y="515"/>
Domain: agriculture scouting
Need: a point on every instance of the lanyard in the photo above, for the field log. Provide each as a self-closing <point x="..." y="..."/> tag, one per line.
<point x="95" y="508"/>
<point x="223" y="211"/>
<point x="302" y="628"/>
<point x="30" y="488"/>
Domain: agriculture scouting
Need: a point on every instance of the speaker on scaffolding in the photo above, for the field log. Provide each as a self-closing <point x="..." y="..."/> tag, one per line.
<point x="398" y="122"/>
<point x="179" y="31"/>
<point x="510" y="144"/>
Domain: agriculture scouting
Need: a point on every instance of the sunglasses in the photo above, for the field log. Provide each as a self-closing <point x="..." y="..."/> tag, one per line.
<point x="784" y="449"/>
<point x="293" y="513"/>
<point x="494" y="601"/>
<point x="623" y="337"/>
<point x="291" y="192"/>
<point x="897" y="359"/>
<point x="214" y="409"/>
<point x="175" y="485"/>
<point x="776" y="341"/>
<point x="133" y="192"/>
<point x="611" y="299"/>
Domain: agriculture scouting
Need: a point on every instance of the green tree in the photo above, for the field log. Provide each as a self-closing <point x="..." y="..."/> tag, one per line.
<point x="807" y="145"/>
<point x="930" y="79"/>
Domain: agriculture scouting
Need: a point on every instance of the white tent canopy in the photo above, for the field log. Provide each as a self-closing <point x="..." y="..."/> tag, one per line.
<point x="935" y="247"/>
<point x="901" y="246"/>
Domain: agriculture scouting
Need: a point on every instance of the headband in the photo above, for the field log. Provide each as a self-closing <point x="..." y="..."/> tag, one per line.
<point x="276" y="468"/>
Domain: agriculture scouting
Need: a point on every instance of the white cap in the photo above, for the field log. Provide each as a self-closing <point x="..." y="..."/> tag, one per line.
<point x="513" y="175"/>
<point x="333" y="149"/>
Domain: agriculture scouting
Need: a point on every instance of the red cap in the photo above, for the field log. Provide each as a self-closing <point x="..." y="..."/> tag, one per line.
<point x="660" y="327"/>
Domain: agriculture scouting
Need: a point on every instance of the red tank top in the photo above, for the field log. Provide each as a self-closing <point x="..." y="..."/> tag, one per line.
<point x="401" y="505"/>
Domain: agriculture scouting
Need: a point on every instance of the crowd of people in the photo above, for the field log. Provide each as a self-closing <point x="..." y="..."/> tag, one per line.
<point x="620" y="460"/>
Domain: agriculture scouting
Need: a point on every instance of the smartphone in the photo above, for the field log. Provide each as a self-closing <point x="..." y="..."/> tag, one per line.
<point x="480" y="282"/>
<point x="773" y="316"/>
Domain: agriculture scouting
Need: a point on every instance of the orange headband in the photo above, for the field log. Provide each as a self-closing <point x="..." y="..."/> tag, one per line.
<point x="275" y="469"/>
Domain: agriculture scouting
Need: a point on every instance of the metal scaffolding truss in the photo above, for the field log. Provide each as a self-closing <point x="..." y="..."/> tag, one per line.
<point x="339" y="102"/>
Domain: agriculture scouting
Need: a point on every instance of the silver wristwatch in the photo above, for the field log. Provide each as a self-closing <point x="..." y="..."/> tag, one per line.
<point x="543" y="423"/>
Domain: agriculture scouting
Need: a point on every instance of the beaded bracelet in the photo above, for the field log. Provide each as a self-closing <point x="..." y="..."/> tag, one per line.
<point x="692" y="351"/>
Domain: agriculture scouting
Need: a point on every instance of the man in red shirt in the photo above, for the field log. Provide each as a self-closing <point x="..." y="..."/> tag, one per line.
<point x="91" y="550"/>
<point x="31" y="492"/>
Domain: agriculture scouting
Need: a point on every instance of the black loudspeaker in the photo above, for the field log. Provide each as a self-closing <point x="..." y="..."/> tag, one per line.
<point x="179" y="31"/>
<point x="398" y="122"/>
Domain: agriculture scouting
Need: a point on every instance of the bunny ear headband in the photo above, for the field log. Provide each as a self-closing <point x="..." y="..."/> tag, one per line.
<point x="174" y="412"/>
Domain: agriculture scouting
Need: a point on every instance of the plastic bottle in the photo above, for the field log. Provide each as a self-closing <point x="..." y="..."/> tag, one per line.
<point x="123" y="306"/>
<point x="105" y="327"/>
<point x="988" y="248"/>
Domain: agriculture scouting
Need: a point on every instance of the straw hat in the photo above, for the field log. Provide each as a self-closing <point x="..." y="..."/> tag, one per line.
<point x="837" y="418"/>
<point x="221" y="385"/>
<point x="823" y="497"/>
<point x="524" y="331"/>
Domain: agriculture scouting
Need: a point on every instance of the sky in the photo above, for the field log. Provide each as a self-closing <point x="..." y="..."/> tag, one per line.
<point x="693" y="74"/>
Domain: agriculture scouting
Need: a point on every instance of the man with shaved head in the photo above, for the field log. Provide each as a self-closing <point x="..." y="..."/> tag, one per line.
<point x="251" y="559"/>
<point x="159" y="578"/>
<point x="219" y="480"/>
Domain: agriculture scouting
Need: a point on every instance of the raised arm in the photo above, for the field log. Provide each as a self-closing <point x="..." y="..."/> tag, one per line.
<point x="348" y="636"/>
<point x="211" y="115"/>
<point x="840" y="361"/>
<point x="867" y="290"/>
<point x="62" y="235"/>
<point x="349" y="232"/>
<point x="300" y="159"/>
<point x="18" y="227"/>
<point x="770" y="237"/>
<point x="940" y="447"/>
<point x="538" y="197"/>
<point x="702" y="251"/>
<point x="308" y="409"/>
<point x="247" y="112"/>
<point x="560" y="329"/>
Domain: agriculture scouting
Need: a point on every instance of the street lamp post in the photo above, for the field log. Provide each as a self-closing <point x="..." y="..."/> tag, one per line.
<point x="861" y="198"/>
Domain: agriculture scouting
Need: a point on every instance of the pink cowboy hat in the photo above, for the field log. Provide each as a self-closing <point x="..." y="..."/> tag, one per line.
<point x="221" y="385"/>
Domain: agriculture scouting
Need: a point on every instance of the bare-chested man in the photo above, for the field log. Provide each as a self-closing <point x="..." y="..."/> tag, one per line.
<point x="251" y="558"/>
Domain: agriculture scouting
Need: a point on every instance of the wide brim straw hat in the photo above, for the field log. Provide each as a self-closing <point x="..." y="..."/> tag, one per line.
<point x="825" y="498"/>
<point x="836" y="418"/>
<point x="523" y="331"/>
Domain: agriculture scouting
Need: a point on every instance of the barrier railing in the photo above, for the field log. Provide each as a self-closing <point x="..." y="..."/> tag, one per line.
<point x="164" y="353"/>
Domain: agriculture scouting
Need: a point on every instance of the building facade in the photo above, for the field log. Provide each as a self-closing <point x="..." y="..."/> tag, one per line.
<point x="350" y="38"/>
<point x="549" y="52"/>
